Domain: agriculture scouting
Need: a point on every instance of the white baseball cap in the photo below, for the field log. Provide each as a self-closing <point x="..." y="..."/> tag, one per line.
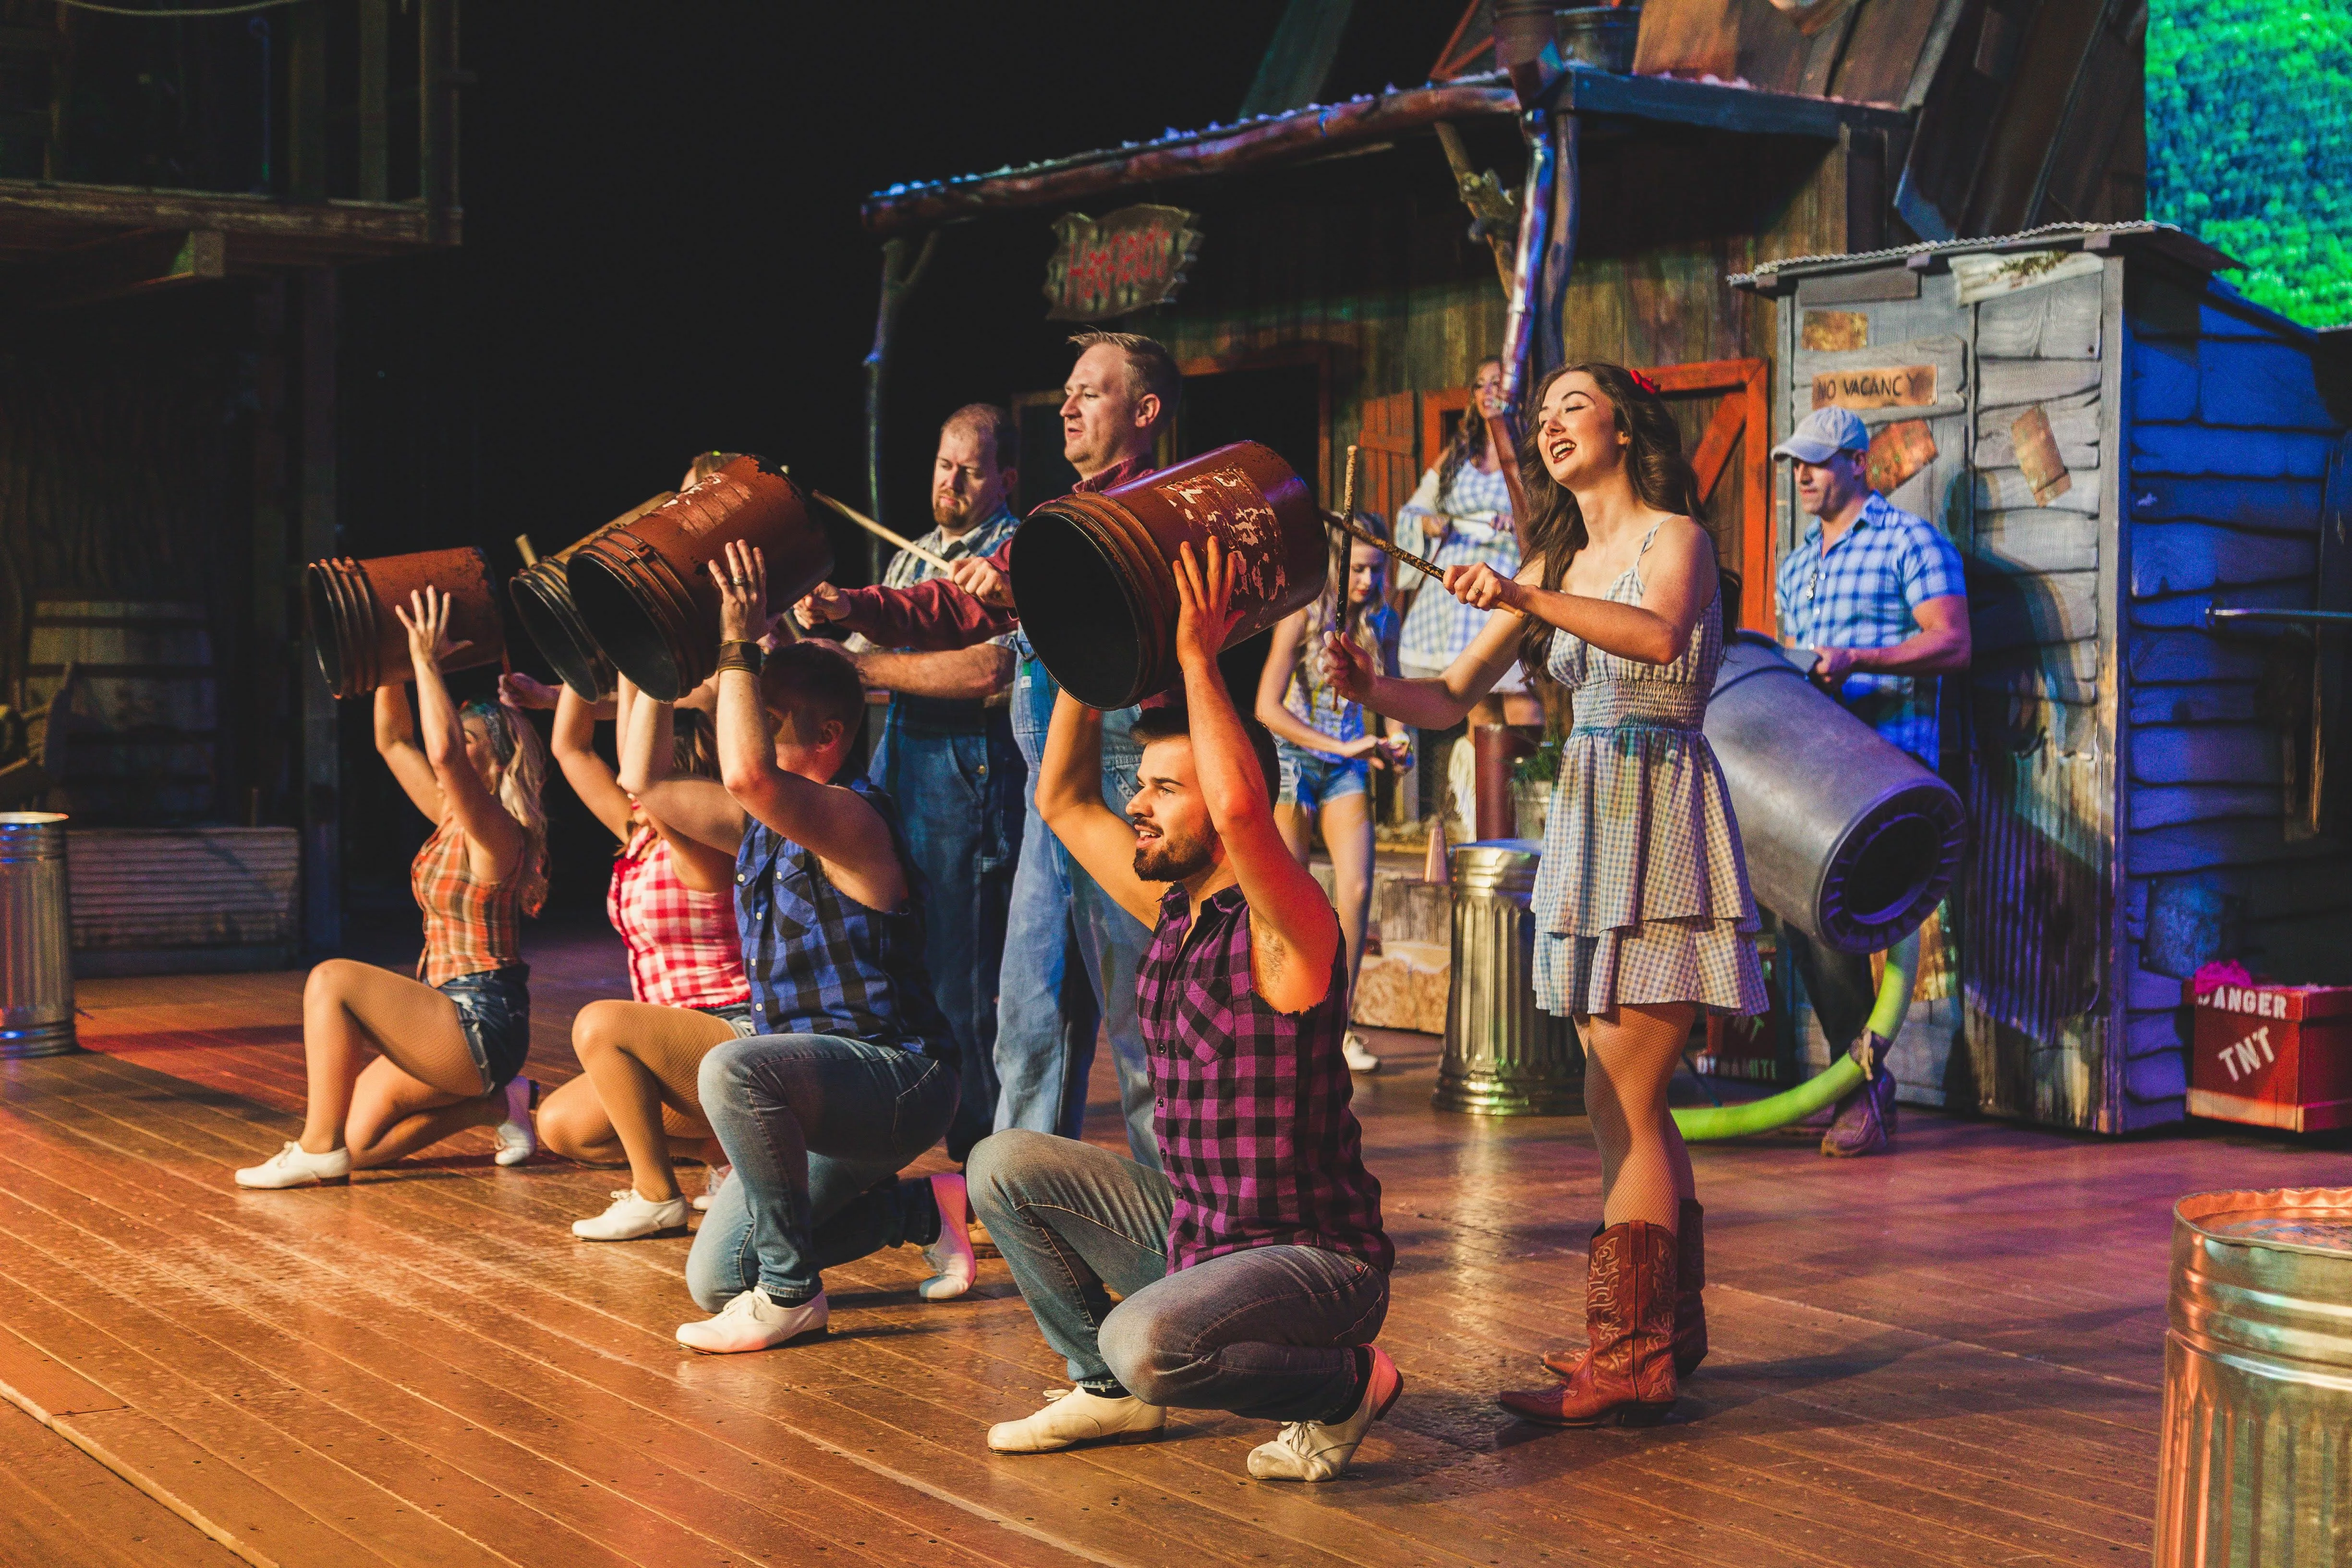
<point x="1822" y="434"/>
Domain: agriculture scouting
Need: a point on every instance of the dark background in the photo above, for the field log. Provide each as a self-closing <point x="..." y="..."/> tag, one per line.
<point x="662" y="255"/>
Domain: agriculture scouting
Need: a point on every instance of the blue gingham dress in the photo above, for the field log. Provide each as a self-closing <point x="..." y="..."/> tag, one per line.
<point x="1642" y="893"/>
<point x="1438" y="626"/>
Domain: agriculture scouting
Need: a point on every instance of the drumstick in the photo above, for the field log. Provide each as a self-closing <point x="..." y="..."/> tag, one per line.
<point x="1349" y="526"/>
<point x="872" y="527"/>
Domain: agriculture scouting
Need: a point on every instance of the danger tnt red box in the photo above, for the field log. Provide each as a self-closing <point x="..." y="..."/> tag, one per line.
<point x="2274" y="1056"/>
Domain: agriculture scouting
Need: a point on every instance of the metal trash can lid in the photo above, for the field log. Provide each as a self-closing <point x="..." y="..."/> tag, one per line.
<point x="1497" y="864"/>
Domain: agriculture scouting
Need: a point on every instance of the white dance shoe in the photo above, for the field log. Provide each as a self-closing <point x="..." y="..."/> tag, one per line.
<point x="516" y="1139"/>
<point x="1320" y="1451"/>
<point x="753" y="1323"/>
<point x="953" y="1265"/>
<point x="713" y="1179"/>
<point x="632" y="1217"/>
<point x="290" y="1167"/>
<point x="1358" y="1054"/>
<point x="1073" y="1416"/>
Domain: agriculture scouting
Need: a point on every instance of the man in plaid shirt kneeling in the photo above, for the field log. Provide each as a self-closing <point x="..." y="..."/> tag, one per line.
<point x="1253" y="1275"/>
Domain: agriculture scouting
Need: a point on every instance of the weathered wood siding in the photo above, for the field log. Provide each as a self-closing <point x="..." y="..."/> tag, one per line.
<point x="2230" y="437"/>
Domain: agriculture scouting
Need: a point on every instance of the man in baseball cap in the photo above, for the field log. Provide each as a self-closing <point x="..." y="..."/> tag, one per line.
<point x="1878" y="595"/>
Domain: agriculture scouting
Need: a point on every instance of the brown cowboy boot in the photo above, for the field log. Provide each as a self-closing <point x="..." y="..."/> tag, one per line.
<point x="1629" y="1311"/>
<point x="1690" y="1310"/>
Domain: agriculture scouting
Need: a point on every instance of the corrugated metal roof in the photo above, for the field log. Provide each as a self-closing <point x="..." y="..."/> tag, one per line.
<point x="1171" y="136"/>
<point x="2166" y="239"/>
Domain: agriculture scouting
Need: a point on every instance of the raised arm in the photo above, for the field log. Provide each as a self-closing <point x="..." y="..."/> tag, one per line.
<point x="699" y="809"/>
<point x="395" y="742"/>
<point x="573" y="742"/>
<point x="1678" y="581"/>
<point x="1292" y="929"/>
<point x="1070" y="802"/>
<point x="847" y="836"/>
<point x="494" y="840"/>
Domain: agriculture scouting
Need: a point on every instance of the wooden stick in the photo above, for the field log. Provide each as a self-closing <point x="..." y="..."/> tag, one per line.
<point x="522" y="543"/>
<point x="872" y="527"/>
<point x="1344" y="521"/>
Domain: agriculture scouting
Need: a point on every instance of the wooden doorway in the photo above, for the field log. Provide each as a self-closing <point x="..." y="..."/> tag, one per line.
<point x="1725" y="410"/>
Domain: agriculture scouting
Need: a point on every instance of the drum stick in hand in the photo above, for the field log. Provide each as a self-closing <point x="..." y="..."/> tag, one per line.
<point x="875" y="529"/>
<point x="1347" y="525"/>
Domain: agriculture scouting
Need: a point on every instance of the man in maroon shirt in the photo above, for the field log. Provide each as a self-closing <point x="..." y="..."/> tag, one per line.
<point x="1070" y="951"/>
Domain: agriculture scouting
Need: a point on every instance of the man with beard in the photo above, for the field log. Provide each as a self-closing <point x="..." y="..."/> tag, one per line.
<point x="1070" y="951"/>
<point x="1253" y="1275"/>
<point x="946" y="755"/>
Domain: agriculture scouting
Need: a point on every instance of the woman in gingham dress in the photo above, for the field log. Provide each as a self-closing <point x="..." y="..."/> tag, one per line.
<point x="672" y="900"/>
<point x="1643" y="915"/>
<point x="447" y="1046"/>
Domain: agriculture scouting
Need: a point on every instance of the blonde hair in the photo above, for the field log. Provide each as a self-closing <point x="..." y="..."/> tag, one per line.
<point x="521" y="757"/>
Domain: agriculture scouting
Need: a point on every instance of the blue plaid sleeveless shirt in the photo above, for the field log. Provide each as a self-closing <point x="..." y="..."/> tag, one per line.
<point x="819" y="961"/>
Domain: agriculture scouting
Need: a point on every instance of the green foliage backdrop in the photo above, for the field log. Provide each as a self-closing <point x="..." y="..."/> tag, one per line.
<point x="2250" y="142"/>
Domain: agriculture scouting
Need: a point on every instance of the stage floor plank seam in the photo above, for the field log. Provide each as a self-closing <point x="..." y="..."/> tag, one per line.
<point x="1952" y="1356"/>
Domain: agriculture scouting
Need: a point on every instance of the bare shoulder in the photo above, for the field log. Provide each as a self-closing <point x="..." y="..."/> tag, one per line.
<point x="1682" y="545"/>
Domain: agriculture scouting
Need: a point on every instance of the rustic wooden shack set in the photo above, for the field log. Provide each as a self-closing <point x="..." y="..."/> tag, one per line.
<point x="2119" y="444"/>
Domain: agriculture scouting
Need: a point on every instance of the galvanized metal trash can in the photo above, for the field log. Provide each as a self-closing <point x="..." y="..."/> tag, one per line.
<point x="36" y="997"/>
<point x="1503" y="1054"/>
<point x="2256" y="1465"/>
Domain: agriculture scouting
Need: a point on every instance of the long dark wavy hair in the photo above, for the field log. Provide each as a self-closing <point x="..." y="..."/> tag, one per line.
<point x="1662" y="477"/>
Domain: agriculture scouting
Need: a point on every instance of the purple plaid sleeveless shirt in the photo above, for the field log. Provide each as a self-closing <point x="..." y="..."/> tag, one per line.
<point x="1254" y="1130"/>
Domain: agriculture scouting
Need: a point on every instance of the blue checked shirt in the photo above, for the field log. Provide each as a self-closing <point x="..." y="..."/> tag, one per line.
<point x="1439" y="625"/>
<point x="1860" y="593"/>
<point x="819" y="961"/>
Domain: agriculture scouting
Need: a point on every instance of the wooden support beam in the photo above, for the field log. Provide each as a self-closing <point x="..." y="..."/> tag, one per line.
<point x="436" y="121"/>
<point x="134" y="264"/>
<point x="322" y="802"/>
<point x="375" y="75"/>
<point x="305" y="108"/>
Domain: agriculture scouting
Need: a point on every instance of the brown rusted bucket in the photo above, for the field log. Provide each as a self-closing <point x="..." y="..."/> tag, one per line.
<point x="1096" y="582"/>
<point x="642" y="590"/>
<point x="543" y="601"/>
<point x="360" y="641"/>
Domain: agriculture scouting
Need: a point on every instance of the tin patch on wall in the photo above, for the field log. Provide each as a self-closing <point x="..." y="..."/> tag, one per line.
<point x="2037" y="456"/>
<point x="1898" y="451"/>
<point x="1831" y="330"/>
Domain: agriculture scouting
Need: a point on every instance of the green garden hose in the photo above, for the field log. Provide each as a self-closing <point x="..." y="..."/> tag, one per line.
<point x="1705" y="1124"/>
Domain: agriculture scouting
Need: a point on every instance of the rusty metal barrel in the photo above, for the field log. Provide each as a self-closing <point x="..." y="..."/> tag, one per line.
<point x="1095" y="575"/>
<point x="543" y="601"/>
<point x="1847" y="837"/>
<point x="361" y="643"/>
<point x="2255" y="1466"/>
<point x="36" y="992"/>
<point x="643" y="588"/>
<point x="1503" y="1054"/>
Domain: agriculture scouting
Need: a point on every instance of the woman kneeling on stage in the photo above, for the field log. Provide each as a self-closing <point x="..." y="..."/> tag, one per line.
<point x="851" y="1073"/>
<point x="672" y="900"/>
<point x="1253" y="1275"/>
<point x="450" y="1042"/>
<point x="1642" y="906"/>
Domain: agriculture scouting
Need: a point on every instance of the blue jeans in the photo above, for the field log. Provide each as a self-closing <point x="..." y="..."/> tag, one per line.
<point x="494" y="1011"/>
<point x="1070" y="956"/>
<point x="958" y="781"/>
<point x="1268" y="1332"/>
<point x="816" y="1126"/>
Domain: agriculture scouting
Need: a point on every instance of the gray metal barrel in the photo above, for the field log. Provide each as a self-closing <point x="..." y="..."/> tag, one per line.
<point x="36" y="996"/>
<point x="1503" y="1054"/>
<point x="1848" y="839"/>
<point x="2256" y="1468"/>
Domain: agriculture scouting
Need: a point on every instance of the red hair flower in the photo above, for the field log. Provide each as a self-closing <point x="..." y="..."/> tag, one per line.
<point x="1645" y="384"/>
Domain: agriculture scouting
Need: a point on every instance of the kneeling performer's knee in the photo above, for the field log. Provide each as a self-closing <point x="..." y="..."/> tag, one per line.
<point x="1134" y="1346"/>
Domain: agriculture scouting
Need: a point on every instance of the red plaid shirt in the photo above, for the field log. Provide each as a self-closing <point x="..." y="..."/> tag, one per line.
<point x="470" y="927"/>
<point x="683" y="947"/>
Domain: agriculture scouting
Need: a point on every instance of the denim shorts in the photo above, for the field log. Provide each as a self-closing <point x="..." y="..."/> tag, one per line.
<point x="738" y="1019"/>
<point x="1311" y="778"/>
<point x="494" y="1007"/>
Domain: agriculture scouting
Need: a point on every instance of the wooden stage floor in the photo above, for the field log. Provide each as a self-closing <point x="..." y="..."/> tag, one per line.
<point x="1950" y="1356"/>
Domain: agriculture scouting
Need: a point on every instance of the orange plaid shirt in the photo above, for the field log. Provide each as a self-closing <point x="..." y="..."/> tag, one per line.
<point x="470" y="926"/>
